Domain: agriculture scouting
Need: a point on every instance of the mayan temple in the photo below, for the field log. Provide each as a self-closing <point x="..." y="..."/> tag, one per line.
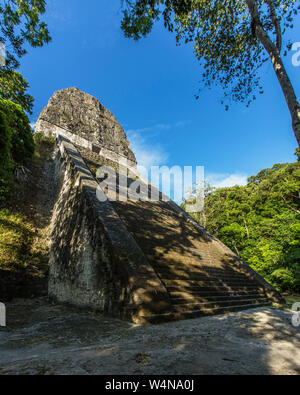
<point x="144" y="261"/>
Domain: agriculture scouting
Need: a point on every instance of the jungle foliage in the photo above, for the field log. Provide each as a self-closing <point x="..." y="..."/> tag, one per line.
<point x="13" y="86"/>
<point x="261" y="223"/>
<point x="16" y="143"/>
<point x="231" y="38"/>
<point x="20" y="26"/>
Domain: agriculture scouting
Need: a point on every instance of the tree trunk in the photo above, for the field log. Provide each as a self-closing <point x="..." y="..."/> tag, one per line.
<point x="235" y="247"/>
<point x="288" y="91"/>
<point x="282" y="76"/>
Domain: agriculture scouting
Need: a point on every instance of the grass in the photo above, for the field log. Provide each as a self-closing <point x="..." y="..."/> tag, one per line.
<point x="15" y="238"/>
<point x="43" y="147"/>
<point x="289" y="301"/>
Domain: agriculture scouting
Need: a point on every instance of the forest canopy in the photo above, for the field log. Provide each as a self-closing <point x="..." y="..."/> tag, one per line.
<point x="261" y="223"/>
<point x="16" y="143"/>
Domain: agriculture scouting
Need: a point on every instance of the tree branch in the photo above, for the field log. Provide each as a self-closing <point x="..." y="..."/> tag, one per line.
<point x="276" y="23"/>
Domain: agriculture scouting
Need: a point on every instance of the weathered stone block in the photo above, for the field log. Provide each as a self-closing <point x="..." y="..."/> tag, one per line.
<point x="82" y="115"/>
<point x="94" y="261"/>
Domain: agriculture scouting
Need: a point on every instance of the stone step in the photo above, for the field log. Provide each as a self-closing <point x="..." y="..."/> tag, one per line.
<point x="206" y="279"/>
<point x="220" y="283"/>
<point x="213" y="283"/>
<point x="200" y="286"/>
<point x="176" y="292"/>
<point x="216" y="303"/>
<point x="200" y="273"/>
<point x="182" y="315"/>
<point x="212" y="268"/>
<point x="215" y="296"/>
<point x="202" y="299"/>
<point x="163" y="272"/>
<point x="197" y="270"/>
<point x="214" y="290"/>
<point x="175" y="282"/>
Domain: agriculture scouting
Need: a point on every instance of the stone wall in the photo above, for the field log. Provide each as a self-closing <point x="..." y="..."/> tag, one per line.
<point x="51" y="130"/>
<point x="101" y="252"/>
<point x="84" y="116"/>
<point x="94" y="261"/>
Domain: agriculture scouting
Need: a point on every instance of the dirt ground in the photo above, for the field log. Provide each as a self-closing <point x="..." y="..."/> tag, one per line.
<point x="45" y="338"/>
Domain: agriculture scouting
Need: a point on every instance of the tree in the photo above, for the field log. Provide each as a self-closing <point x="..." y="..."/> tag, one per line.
<point x="6" y="163"/>
<point x="231" y="37"/>
<point x="21" y="135"/>
<point x="20" y="23"/>
<point x="16" y="143"/>
<point x="260" y="223"/>
<point x="13" y="87"/>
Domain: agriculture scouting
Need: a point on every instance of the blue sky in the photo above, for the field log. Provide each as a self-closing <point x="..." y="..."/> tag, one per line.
<point x="150" y="85"/>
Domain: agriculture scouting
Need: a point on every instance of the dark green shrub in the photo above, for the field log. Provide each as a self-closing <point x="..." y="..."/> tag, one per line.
<point x="261" y="223"/>
<point x="283" y="279"/>
<point x="22" y="138"/>
<point x="16" y="143"/>
<point x="6" y="163"/>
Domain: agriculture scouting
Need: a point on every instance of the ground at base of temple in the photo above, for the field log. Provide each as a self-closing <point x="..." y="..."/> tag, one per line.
<point x="45" y="338"/>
